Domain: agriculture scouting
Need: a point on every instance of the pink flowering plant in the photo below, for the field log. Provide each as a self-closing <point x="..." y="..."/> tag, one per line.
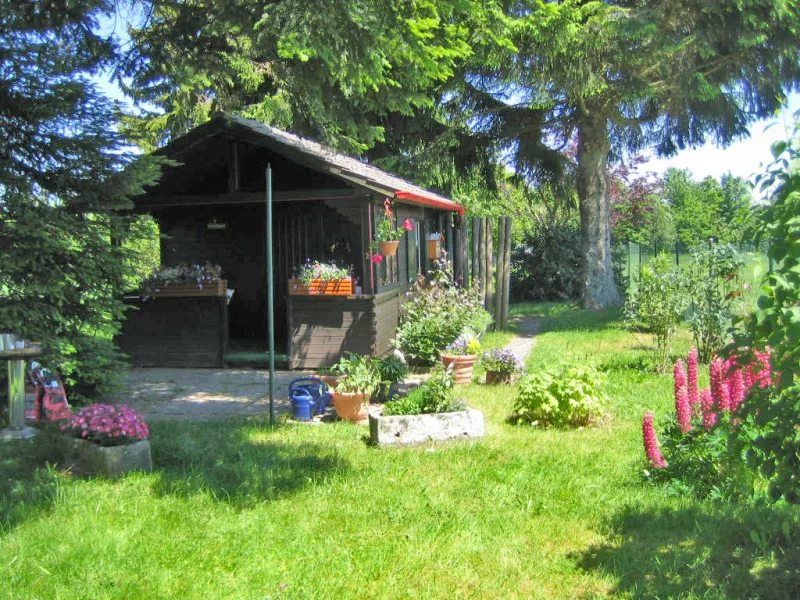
<point x="694" y="457"/>
<point x="107" y="425"/>
<point x="386" y="231"/>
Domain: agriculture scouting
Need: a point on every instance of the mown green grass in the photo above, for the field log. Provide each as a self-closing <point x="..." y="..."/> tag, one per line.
<point x="242" y="510"/>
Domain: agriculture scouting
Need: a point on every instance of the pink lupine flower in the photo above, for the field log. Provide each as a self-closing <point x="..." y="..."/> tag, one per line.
<point x="707" y="408"/>
<point x="683" y="409"/>
<point x="651" y="448"/>
<point x="679" y="374"/>
<point x="692" y="389"/>
<point x="737" y="389"/>
<point x="719" y="387"/>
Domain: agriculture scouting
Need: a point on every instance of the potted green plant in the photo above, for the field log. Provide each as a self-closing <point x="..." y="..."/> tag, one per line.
<point x="460" y="357"/>
<point x="392" y="372"/>
<point x="318" y="278"/>
<point x="359" y="379"/>
<point x="502" y="366"/>
<point x="106" y="440"/>
<point x="387" y="236"/>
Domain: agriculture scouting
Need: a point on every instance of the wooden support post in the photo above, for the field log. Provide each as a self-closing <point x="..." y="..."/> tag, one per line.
<point x="501" y="275"/>
<point x="507" y="273"/>
<point x="464" y="236"/>
<point x="479" y="265"/>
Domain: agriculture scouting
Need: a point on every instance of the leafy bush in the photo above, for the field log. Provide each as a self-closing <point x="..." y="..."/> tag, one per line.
<point x="359" y="374"/>
<point x="437" y="395"/>
<point x="715" y="284"/>
<point x="560" y="396"/>
<point x="436" y="313"/>
<point x="547" y="263"/>
<point x="768" y="435"/>
<point x="657" y="304"/>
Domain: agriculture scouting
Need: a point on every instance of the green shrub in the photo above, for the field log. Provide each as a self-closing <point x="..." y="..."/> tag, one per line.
<point x="714" y="279"/>
<point x="547" y="263"/>
<point x="658" y="304"/>
<point x="437" y="395"/>
<point x="560" y="396"/>
<point x="436" y="313"/>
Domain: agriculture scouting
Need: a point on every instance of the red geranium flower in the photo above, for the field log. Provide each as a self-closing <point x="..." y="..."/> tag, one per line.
<point x="376" y="258"/>
<point x="408" y="225"/>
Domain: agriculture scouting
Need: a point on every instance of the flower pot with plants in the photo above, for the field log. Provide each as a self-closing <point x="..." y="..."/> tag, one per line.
<point x="387" y="235"/>
<point x="502" y="366"/>
<point x="315" y="278"/>
<point x="185" y="281"/>
<point x="460" y="357"/>
<point x="359" y="380"/>
<point x="392" y="372"/>
<point x="106" y="440"/>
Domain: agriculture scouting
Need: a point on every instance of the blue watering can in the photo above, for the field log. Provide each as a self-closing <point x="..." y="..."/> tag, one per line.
<point x="309" y="396"/>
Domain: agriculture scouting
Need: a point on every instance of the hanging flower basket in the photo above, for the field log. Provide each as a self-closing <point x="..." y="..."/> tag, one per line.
<point x="389" y="248"/>
<point x="322" y="287"/>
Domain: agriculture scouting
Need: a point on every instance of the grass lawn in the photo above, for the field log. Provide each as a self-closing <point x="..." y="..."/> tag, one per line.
<point x="240" y="510"/>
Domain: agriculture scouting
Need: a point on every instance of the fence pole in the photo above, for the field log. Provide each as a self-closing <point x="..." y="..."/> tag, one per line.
<point x="507" y="282"/>
<point x="476" y="241"/>
<point x="489" y="264"/>
<point x="501" y="275"/>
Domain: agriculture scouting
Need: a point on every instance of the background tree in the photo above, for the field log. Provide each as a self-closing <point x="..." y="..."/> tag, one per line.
<point x="63" y="181"/>
<point x="621" y="76"/>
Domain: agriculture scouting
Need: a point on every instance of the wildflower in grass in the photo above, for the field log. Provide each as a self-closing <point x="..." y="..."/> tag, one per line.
<point x="737" y="388"/>
<point x="679" y="373"/>
<point x="651" y="448"/>
<point x="719" y="386"/>
<point x="707" y="408"/>
<point x="692" y="389"/>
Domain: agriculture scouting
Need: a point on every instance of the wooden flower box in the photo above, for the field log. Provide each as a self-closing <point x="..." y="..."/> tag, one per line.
<point x="214" y="287"/>
<point x="319" y="287"/>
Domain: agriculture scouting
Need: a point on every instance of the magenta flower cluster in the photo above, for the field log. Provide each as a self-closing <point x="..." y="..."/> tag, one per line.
<point x="107" y="425"/>
<point x="730" y="384"/>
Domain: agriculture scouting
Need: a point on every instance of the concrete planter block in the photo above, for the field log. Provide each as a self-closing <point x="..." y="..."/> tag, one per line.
<point x="87" y="458"/>
<point x="402" y="430"/>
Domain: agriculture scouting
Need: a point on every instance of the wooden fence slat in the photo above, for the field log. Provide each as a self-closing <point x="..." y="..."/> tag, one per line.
<point x="499" y="288"/>
<point x="507" y="273"/>
<point x="489" y="297"/>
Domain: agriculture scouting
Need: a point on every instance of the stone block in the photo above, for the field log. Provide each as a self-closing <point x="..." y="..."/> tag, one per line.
<point x="403" y="430"/>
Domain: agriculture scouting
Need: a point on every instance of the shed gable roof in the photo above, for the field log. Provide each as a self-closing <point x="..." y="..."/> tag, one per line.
<point x="321" y="157"/>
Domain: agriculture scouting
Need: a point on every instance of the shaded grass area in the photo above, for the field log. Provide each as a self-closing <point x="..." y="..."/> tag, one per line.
<point x="241" y="510"/>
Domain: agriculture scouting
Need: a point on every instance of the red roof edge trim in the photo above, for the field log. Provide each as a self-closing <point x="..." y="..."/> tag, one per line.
<point x="429" y="201"/>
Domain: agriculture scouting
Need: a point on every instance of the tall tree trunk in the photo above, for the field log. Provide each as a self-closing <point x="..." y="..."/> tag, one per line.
<point x="599" y="288"/>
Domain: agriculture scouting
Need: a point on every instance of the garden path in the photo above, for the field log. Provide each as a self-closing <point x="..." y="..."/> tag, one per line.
<point x="523" y="342"/>
<point x="207" y="394"/>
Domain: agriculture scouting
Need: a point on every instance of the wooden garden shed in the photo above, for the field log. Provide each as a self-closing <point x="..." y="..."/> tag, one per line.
<point x="212" y="208"/>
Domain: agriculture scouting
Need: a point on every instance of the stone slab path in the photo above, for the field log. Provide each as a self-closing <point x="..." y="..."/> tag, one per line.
<point x="524" y="341"/>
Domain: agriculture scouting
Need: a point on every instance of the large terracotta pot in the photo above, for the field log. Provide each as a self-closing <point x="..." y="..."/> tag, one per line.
<point x="389" y="248"/>
<point x="462" y="367"/>
<point x="350" y="406"/>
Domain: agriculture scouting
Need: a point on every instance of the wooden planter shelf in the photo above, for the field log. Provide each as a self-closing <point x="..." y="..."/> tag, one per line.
<point x="318" y="287"/>
<point x="215" y="287"/>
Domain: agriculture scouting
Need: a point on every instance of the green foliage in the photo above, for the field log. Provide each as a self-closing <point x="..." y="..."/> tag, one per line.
<point x="546" y="264"/>
<point x="716" y="289"/>
<point x="392" y="369"/>
<point x="768" y="435"/>
<point x="658" y="304"/>
<point x="560" y="396"/>
<point x="141" y="250"/>
<point x="436" y="395"/>
<point x="360" y="374"/>
<point x="437" y="313"/>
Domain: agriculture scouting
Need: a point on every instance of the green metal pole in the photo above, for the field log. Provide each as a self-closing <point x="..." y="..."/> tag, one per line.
<point x="270" y="300"/>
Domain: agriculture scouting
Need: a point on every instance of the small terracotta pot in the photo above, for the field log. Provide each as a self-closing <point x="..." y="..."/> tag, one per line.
<point x="352" y="407"/>
<point x="498" y="377"/>
<point x="389" y="248"/>
<point x="462" y="367"/>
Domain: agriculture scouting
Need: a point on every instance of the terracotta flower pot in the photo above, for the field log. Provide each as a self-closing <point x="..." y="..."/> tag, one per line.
<point x="389" y="248"/>
<point x="498" y="377"/>
<point x="350" y="406"/>
<point x="462" y="367"/>
<point x="330" y="380"/>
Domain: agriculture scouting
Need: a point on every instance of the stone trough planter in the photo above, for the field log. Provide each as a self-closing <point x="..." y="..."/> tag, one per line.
<point x="404" y="430"/>
<point x="86" y="458"/>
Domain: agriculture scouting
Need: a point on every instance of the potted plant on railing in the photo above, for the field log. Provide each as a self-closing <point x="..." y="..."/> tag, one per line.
<point x="318" y="278"/>
<point x="107" y="440"/>
<point x="387" y="236"/>
<point x="460" y="357"/>
<point x="502" y="366"/>
<point x="359" y="379"/>
<point x="185" y="280"/>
